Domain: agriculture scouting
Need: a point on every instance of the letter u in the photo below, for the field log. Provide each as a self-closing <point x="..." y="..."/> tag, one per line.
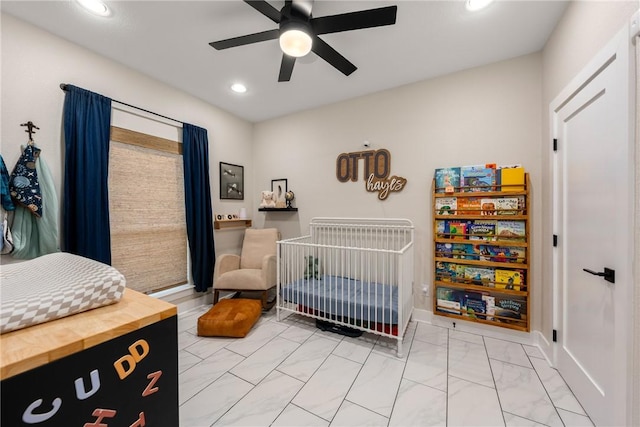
<point x="81" y="392"/>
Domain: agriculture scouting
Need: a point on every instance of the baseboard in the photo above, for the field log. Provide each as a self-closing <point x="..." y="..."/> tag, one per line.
<point x="427" y="316"/>
<point x="185" y="297"/>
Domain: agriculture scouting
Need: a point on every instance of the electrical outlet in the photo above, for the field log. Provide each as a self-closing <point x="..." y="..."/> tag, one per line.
<point x="425" y="290"/>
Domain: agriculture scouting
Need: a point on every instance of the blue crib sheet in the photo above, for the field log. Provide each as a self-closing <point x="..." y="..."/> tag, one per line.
<point x="344" y="297"/>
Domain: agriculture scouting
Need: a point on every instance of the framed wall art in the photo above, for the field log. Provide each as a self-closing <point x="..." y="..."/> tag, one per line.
<point x="231" y="181"/>
<point x="279" y="188"/>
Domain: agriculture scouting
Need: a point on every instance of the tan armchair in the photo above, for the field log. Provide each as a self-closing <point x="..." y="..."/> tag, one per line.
<point x="253" y="270"/>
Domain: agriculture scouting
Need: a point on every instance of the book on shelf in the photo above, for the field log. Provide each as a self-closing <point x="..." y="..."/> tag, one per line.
<point x="508" y="279"/>
<point x="469" y="206"/>
<point x="449" y="300"/>
<point x="510" y="230"/>
<point x="449" y="272"/>
<point x="480" y="276"/>
<point x="482" y="230"/>
<point x="510" y="307"/>
<point x="510" y="178"/>
<point x="457" y="229"/>
<point x="444" y="250"/>
<point x="506" y="205"/>
<point x="465" y="251"/>
<point x="447" y="180"/>
<point x="490" y="304"/>
<point x="446" y="205"/>
<point x="501" y="253"/>
<point x="487" y="207"/>
<point x="478" y="178"/>
<point x="473" y="305"/>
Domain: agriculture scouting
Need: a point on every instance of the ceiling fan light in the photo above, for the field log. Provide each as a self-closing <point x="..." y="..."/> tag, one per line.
<point x="295" y="43"/>
<point x="473" y="5"/>
<point x="97" y="7"/>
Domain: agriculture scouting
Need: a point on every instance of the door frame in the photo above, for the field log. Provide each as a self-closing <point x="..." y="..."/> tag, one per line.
<point x="623" y="48"/>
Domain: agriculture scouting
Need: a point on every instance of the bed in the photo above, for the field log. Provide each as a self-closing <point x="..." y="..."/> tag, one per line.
<point x="54" y="286"/>
<point x="353" y="272"/>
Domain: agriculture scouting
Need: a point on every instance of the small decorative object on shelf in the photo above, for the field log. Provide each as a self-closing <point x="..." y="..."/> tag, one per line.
<point x="289" y="196"/>
<point x="268" y="199"/>
<point x="481" y="245"/>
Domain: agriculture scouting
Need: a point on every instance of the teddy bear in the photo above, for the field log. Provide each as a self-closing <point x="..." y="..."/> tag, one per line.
<point x="268" y="199"/>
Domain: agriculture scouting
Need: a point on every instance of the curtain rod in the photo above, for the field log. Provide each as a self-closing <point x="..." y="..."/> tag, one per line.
<point x="63" y="86"/>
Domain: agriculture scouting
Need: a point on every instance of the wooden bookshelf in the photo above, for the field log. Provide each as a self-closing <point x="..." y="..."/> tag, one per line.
<point x="220" y="224"/>
<point x="457" y="256"/>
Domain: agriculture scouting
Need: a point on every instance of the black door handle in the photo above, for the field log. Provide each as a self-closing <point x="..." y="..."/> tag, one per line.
<point x="608" y="274"/>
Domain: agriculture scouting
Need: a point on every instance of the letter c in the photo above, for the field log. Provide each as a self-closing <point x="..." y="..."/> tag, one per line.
<point x="30" y="418"/>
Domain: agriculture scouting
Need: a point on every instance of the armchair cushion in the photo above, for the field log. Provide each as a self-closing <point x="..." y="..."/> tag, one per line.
<point x="257" y="244"/>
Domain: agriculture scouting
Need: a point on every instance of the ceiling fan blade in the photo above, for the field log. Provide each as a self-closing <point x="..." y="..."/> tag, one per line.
<point x="354" y="20"/>
<point x="286" y="68"/>
<point x="266" y="9"/>
<point x="329" y="54"/>
<point x="248" y="39"/>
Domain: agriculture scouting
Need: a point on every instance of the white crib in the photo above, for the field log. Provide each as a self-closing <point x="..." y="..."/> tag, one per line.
<point x="355" y="272"/>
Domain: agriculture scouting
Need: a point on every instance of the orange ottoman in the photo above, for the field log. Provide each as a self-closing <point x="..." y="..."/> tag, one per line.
<point x="230" y="318"/>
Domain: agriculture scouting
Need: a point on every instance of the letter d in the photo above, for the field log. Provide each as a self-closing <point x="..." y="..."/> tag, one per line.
<point x="133" y="349"/>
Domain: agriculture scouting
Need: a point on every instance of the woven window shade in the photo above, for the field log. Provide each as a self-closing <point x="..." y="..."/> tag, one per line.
<point x="147" y="216"/>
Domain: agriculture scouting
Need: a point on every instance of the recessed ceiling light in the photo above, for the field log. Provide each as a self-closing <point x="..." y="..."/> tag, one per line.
<point x="96" y="7"/>
<point x="238" y="88"/>
<point x="474" y="5"/>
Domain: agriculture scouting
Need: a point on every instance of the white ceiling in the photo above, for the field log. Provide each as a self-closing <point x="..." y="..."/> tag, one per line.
<point x="168" y="40"/>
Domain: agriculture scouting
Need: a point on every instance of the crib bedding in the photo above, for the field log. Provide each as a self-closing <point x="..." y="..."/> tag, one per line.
<point x="338" y="296"/>
<point x="54" y="286"/>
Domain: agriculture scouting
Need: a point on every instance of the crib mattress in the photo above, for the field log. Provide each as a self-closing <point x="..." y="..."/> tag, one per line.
<point x="54" y="286"/>
<point x="344" y="297"/>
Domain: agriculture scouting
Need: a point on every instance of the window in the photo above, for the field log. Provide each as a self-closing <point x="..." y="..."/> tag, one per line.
<point x="146" y="208"/>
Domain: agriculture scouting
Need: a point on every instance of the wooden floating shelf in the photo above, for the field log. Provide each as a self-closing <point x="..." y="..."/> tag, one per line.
<point x="231" y="223"/>
<point x="278" y="209"/>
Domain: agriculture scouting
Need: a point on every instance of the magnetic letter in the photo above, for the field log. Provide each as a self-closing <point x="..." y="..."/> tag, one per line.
<point x="133" y="349"/>
<point x="101" y="413"/>
<point x="30" y="418"/>
<point x="140" y="421"/>
<point x="81" y="391"/>
<point x="119" y="365"/>
<point x="154" y="377"/>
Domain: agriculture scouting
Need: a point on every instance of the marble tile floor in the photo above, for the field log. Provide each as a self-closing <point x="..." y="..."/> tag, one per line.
<point x="290" y="373"/>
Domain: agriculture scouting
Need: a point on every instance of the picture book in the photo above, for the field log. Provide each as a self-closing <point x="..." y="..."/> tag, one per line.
<point x="474" y="305"/>
<point x="510" y="230"/>
<point x="446" y="205"/>
<point x="508" y="279"/>
<point x="480" y="275"/>
<point x="449" y="272"/>
<point x="449" y="300"/>
<point x="501" y="253"/>
<point x="482" y="230"/>
<point x="469" y="206"/>
<point x="465" y="251"/>
<point x="490" y="304"/>
<point x="441" y="226"/>
<point x="444" y="250"/>
<point x="447" y="180"/>
<point x="478" y="178"/>
<point x="510" y="178"/>
<point x="457" y="229"/>
<point x="506" y="205"/>
<point x="487" y="207"/>
<point x="510" y="307"/>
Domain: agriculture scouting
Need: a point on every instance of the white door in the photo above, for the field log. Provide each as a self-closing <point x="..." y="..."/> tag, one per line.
<point x="593" y="202"/>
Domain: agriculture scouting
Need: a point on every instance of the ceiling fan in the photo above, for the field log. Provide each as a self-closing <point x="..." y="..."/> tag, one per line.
<point x="298" y="32"/>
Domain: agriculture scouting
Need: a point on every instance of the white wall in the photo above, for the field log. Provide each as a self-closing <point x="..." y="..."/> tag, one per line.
<point x="35" y="62"/>
<point x="489" y="114"/>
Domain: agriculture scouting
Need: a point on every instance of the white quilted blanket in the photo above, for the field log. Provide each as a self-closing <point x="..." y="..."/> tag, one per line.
<point x="54" y="286"/>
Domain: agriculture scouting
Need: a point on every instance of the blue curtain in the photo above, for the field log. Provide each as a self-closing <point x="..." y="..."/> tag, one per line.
<point x="85" y="217"/>
<point x="197" y="199"/>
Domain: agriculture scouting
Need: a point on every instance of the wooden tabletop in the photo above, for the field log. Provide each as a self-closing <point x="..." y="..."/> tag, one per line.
<point x="38" y="345"/>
